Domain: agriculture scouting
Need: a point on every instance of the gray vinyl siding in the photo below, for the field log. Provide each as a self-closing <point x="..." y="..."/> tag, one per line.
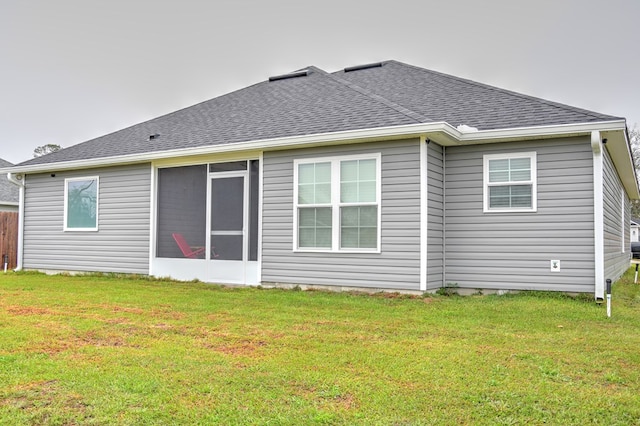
<point x="435" y="215"/>
<point x="398" y="264"/>
<point x="514" y="250"/>
<point x="121" y="243"/>
<point x="616" y="223"/>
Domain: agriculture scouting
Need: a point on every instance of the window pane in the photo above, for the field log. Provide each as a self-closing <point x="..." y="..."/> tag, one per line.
<point x="499" y="197"/>
<point x="499" y="176"/>
<point x="509" y="170"/>
<point x="323" y="238"/>
<point x="306" y="173"/>
<point x="349" y="238"/>
<point x="367" y="170"/>
<point x="519" y="196"/>
<point x="367" y="192"/>
<point x="349" y="192"/>
<point x="314" y="183"/>
<point x="349" y="216"/>
<point x="359" y="227"/>
<point x="307" y="237"/>
<point x="369" y="216"/>
<point x="82" y="203"/>
<point x="323" y="217"/>
<point x="520" y="175"/>
<point x="323" y="193"/>
<point x="323" y="172"/>
<point x="368" y="237"/>
<point x="498" y="165"/>
<point x="307" y="217"/>
<point x="306" y="194"/>
<point x="358" y="181"/>
<point x="314" y="227"/>
<point x="349" y="171"/>
<point x="520" y="164"/>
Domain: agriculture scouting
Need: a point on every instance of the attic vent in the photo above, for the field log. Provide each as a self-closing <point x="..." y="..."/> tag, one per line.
<point x="154" y="136"/>
<point x="363" y="67"/>
<point x="296" y="74"/>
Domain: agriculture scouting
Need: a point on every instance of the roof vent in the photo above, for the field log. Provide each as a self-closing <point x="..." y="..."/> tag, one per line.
<point x="363" y="67"/>
<point x="154" y="136"/>
<point x="296" y="74"/>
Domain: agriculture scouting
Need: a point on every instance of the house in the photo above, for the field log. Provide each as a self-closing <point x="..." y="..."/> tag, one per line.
<point x="9" y="193"/>
<point x="381" y="176"/>
<point x="635" y="228"/>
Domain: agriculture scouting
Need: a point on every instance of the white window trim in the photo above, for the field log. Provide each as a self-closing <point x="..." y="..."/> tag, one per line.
<point x="66" y="199"/>
<point x="335" y="202"/>
<point x="533" y="182"/>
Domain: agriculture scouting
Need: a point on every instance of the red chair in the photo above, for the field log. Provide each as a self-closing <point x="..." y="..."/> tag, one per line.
<point x="186" y="249"/>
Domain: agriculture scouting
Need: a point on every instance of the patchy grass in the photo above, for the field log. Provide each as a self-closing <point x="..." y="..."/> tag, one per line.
<point x="112" y="350"/>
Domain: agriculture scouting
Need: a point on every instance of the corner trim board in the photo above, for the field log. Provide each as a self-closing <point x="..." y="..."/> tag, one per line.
<point x="598" y="214"/>
<point x="424" y="211"/>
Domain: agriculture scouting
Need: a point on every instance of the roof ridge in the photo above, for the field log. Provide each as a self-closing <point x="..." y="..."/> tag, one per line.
<point x="399" y="108"/>
<point x="505" y="91"/>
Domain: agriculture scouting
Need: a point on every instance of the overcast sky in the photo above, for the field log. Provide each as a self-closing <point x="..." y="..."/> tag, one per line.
<point x="72" y="70"/>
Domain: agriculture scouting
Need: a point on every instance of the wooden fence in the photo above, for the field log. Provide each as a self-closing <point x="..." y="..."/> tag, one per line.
<point x="8" y="239"/>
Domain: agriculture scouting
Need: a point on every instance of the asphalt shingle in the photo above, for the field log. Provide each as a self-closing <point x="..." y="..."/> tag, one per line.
<point x="9" y="193"/>
<point x="389" y="95"/>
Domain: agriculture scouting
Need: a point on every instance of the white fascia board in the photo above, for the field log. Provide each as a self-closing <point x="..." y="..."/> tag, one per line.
<point x="500" y="135"/>
<point x="441" y="132"/>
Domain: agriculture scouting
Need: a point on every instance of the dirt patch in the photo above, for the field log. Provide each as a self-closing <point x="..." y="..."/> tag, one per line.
<point x="43" y="399"/>
<point x="30" y="310"/>
<point x="240" y="348"/>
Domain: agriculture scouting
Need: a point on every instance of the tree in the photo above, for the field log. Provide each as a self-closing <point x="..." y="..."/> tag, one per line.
<point x="46" y="149"/>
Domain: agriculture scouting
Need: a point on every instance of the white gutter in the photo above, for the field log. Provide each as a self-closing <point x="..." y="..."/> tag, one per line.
<point x="18" y="179"/>
<point x="440" y="132"/>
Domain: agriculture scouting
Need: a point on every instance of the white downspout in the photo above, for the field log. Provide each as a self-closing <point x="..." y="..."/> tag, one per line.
<point x="18" y="179"/>
<point x="598" y="214"/>
<point x="424" y="211"/>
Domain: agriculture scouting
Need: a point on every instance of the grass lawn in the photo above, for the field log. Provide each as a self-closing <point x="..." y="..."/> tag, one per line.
<point x="105" y="350"/>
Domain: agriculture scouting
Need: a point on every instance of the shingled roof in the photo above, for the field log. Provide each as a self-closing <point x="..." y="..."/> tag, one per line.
<point x="9" y="193"/>
<point x="312" y="101"/>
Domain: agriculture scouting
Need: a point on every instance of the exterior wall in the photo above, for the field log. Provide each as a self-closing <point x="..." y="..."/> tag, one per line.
<point x="634" y="233"/>
<point x="617" y="217"/>
<point x="514" y="250"/>
<point x="121" y="243"/>
<point x="8" y="208"/>
<point x="398" y="264"/>
<point x="435" y="212"/>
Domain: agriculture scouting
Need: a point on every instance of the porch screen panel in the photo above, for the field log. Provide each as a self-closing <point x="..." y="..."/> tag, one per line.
<point x="182" y="209"/>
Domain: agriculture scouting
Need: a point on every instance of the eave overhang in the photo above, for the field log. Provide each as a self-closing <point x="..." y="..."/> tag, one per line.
<point x="440" y="132"/>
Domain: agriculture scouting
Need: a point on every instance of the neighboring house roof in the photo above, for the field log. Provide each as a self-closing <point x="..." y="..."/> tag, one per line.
<point x="313" y="101"/>
<point x="635" y="221"/>
<point x="9" y="193"/>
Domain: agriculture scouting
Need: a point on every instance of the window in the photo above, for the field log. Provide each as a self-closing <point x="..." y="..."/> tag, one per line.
<point x="81" y="204"/>
<point x="510" y="182"/>
<point x="337" y="204"/>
